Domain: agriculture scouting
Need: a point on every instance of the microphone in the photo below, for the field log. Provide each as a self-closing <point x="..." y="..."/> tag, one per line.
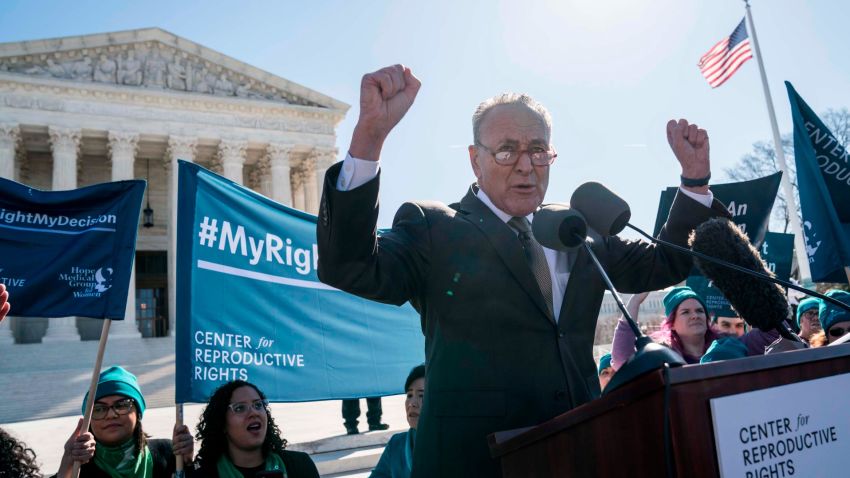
<point x="558" y="227"/>
<point x="762" y="304"/>
<point x="607" y="213"/>
<point x="604" y="211"/>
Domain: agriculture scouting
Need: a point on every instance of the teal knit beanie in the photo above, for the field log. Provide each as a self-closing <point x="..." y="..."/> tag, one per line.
<point x="604" y="362"/>
<point x="117" y="381"/>
<point x="808" y="303"/>
<point x="829" y="314"/>
<point x="678" y="295"/>
<point x="724" y="348"/>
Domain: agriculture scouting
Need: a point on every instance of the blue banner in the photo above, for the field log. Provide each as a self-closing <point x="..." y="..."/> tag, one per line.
<point x="823" y="179"/>
<point x="250" y="306"/>
<point x="777" y="251"/>
<point x="749" y="203"/>
<point x="66" y="253"/>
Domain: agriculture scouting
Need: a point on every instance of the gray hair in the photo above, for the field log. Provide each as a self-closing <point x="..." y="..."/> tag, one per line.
<point x="508" y="99"/>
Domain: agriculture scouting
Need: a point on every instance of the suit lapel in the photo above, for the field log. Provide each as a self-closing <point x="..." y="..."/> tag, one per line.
<point x="507" y="245"/>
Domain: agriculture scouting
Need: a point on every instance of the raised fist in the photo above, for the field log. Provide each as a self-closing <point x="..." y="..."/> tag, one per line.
<point x="690" y="145"/>
<point x="385" y="97"/>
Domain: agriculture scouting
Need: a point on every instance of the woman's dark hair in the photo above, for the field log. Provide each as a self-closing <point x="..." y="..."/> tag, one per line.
<point x="16" y="460"/>
<point x="211" y="428"/>
<point x="415" y="374"/>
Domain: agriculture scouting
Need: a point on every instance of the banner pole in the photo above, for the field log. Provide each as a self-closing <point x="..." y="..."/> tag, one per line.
<point x="178" y="460"/>
<point x="787" y="190"/>
<point x="101" y="347"/>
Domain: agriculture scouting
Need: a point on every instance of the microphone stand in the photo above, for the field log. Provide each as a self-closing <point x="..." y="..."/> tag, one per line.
<point x="783" y="328"/>
<point x="649" y="355"/>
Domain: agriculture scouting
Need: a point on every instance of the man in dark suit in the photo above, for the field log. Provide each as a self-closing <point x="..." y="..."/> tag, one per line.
<point x="508" y="325"/>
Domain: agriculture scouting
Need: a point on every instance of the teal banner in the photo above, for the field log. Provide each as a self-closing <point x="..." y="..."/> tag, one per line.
<point x="66" y="253"/>
<point x="823" y="179"/>
<point x="250" y="307"/>
<point x="749" y="203"/>
<point x="777" y="251"/>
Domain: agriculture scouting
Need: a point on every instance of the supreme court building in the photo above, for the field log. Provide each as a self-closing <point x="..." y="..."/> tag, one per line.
<point x="81" y="110"/>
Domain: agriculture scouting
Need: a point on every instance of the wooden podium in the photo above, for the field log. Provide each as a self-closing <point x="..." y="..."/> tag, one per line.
<point x="622" y="434"/>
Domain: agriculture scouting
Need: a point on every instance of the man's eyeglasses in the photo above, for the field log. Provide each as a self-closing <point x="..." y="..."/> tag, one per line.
<point x="838" y="331"/>
<point x="508" y="156"/>
<point x="121" y="407"/>
<point x="240" y="408"/>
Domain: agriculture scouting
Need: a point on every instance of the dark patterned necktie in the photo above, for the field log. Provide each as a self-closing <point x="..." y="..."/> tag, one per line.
<point x="536" y="258"/>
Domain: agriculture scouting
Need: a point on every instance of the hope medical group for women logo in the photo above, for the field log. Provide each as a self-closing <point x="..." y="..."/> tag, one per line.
<point x="87" y="282"/>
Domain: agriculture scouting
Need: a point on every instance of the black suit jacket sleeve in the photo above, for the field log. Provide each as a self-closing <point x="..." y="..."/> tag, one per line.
<point x="638" y="266"/>
<point x="389" y="268"/>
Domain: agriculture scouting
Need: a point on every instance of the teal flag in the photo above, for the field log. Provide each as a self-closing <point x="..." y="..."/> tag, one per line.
<point x="749" y="203"/>
<point x="823" y="179"/>
<point x="250" y="307"/>
<point x="71" y="252"/>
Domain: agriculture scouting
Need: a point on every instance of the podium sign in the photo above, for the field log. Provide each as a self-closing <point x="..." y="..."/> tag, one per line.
<point x="801" y="429"/>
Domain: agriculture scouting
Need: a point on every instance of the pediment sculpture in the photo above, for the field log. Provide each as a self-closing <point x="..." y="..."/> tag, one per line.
<point x="147" y="65"/>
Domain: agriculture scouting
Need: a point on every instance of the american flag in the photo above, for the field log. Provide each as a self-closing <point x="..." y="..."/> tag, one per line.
<point x="724" y="58"/>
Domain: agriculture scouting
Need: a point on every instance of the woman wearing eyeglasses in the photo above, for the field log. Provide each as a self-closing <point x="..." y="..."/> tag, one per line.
<point x="239" y="438"/>
<point x="115" y="445"/>
<point x="807" y="317"/>
<point x="834" y="320"/>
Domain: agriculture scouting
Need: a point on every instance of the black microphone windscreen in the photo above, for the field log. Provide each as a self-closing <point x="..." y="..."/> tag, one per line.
<point x="760" y="303"/>
<point x="605" y="212"/>
<point x="558" y="227"/>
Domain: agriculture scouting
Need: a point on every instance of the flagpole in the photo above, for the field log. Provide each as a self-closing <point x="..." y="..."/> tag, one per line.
<point x="178" y="460"/>
<point x="787" y="190"/>
<point x="98" y="363"/>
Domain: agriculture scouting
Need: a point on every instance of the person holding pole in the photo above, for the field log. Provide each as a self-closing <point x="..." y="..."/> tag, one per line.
<point x="115" y="445"/>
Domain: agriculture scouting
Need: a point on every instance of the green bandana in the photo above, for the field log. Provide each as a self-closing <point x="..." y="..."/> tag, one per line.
<point x="122" y="461"/>
<point x="226" y="469"/>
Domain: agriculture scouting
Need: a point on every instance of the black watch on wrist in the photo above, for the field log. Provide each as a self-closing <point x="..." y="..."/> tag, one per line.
<point x="695" y="183"/>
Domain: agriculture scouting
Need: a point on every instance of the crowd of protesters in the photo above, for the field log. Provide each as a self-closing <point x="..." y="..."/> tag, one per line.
<point x="688" y="329"/>
<point x="238" y="437"/>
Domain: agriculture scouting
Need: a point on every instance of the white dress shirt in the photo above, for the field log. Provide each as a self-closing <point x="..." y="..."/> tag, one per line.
<point x="357" y="172"/>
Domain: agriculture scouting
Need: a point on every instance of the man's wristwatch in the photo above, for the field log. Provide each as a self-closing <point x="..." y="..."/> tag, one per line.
<point x="695" y="183"/>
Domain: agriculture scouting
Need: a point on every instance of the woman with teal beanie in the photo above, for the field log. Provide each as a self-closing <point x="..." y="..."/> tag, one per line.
<point x="687" y="330"/>
<point x="807" y="317"/>
<point x="397" y="459"/>
<point x="834" y="320"/>
<point x="115" y="446"/>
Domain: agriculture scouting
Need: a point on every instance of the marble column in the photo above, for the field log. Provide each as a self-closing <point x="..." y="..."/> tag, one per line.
<point x="10" y="138"/>
<point x="122" y="150"/>
<point x="324" y="159"/>
<point x="280" y="172"/>
<point x="179" y="147"/>
<point x="298" y="179"/>
<point x="232" y="156"/>
<point x="261" y="177"/>
<point x="65" y="144"/>
<point x="311" y="189"/>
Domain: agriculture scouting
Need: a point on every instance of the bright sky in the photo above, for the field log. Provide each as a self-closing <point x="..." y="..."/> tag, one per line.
<point x="612" y="73"/>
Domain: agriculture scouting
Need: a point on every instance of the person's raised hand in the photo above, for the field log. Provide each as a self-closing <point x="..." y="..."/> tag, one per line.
<point x="79" y="447"/>
<point x="385" y="97"/>
<point x="4" y="301"/>
<point x="690" y="145"/>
